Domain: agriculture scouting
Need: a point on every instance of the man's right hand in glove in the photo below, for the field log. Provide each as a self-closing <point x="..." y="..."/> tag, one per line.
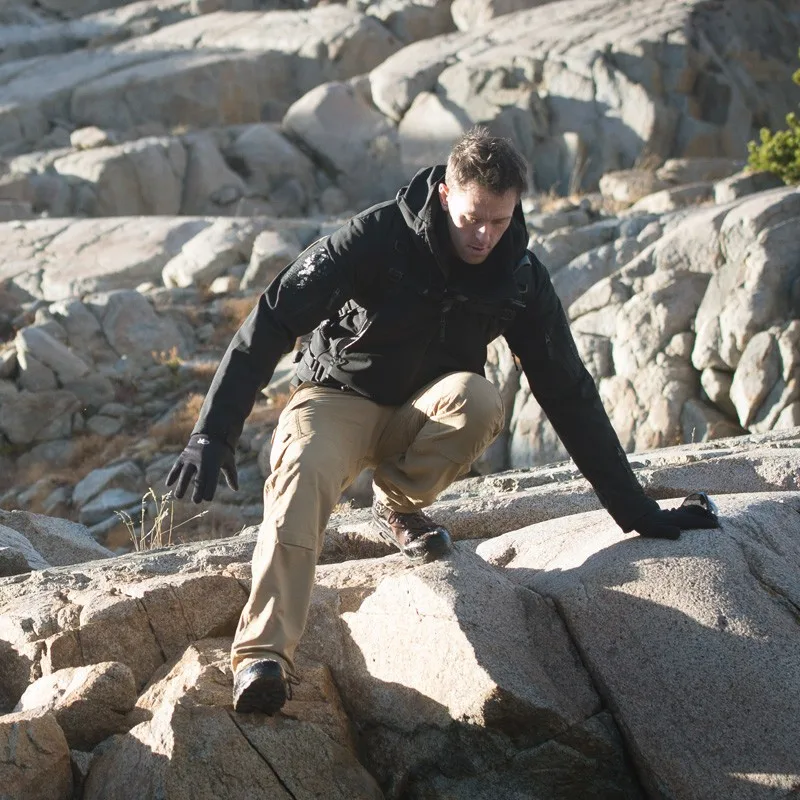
<point x="200" y="464"/>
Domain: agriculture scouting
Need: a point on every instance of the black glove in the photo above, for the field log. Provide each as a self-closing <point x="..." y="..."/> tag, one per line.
<point x="203" y="459"/>
<point x="697" y="511"/>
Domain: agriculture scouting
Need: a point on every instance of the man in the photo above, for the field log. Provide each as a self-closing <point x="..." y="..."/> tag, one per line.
<point x="402" y="301"/>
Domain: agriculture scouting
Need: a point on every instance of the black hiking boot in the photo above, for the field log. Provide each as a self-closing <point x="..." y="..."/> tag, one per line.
<point x="416" y="535"/>
<point x="262" y="686"/>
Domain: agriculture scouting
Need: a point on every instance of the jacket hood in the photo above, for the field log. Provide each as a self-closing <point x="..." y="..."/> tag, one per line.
<point x="419" y="202"/>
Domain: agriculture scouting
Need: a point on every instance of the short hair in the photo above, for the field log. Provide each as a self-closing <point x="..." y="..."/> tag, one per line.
<point x="489" y="161"/>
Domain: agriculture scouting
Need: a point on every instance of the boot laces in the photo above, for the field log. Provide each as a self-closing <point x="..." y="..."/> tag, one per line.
<point x="415" y="522"/>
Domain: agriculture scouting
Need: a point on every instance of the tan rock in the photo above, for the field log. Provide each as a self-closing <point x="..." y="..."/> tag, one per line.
<point x="192" y="746"/>
<point x="90" y="703"/>
<point x="34" y="758"/>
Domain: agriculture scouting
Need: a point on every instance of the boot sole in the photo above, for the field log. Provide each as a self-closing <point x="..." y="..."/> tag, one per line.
<point x="265" y="695"/>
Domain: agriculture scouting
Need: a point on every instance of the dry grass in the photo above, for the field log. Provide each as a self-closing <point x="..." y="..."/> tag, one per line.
<point x="233" y="312"/>
<point x="178" y="429"/>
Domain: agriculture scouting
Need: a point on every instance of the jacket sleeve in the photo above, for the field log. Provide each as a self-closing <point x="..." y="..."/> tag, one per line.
<point x="307" y="291"/>
<point x="541" y="338"/>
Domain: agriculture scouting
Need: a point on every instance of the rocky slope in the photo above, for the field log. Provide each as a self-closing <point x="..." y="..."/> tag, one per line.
<point x="160" y="161"/>
<point x="555" y="658"/>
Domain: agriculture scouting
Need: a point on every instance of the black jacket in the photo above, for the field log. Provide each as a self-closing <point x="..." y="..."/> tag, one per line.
<point x="390" y="309"/>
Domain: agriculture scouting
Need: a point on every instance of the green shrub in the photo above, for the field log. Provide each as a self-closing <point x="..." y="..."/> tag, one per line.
<point x="779" y="152"/>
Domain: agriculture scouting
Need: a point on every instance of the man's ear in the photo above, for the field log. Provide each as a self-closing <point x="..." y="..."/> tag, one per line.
<point x="443" y="192"/>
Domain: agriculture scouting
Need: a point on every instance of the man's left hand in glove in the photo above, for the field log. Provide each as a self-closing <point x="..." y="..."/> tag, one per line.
<point x="200" y="463"/>
<point x="697" y="511"/>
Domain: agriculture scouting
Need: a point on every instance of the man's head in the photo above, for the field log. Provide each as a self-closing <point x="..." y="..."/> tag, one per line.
<point x="485" y="178"/>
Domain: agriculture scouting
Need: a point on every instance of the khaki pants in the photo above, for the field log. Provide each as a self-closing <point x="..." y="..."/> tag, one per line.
<point x="324" y="438"/>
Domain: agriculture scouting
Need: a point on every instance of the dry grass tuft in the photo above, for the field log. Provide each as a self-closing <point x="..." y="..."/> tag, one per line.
<point x="233" y="312"/>
<point x="178" y="429"/>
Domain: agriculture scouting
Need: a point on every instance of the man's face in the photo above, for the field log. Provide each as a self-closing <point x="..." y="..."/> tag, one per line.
<point x="477" y="218"/>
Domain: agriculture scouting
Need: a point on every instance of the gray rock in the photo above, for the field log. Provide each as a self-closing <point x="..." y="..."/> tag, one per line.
<point x="207" y="175"/>
<point x="17" y="548"/>
<point x="60" y="541"/>
<point x="101" y="425"/>
<point x="35" y="376"/>
<point x="142" y="177"/>
<point x="212" y="252"/>
<point x="53" y="354"/>
<point x="125" y="475"/>
<point x="742" y="184"/>
<point x="697" y="170"/>
<point x="134" y="330"/>
<point x="353" y="141"/>
<point x="93" y="391"/>
<point x="665" y="601"/>
<point x="630" y="185"/>
<point x="26" y="417"/>
<point x="106" y="503"/>
<point x="671" y="199"/>
<point x="12" y="561"/>
<point x="271" y="252"/>
<point x="266" y="159"/>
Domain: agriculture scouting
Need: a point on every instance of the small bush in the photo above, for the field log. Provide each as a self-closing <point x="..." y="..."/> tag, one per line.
<point x="779" y="152"/>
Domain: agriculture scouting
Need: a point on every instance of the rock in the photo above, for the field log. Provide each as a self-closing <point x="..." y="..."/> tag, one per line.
<point x="717" y="385"/>
<point x="670" y="199"/>
<point x="273" y="56"/>
<point x="630" y="185"/>
<point x="75" y="257"/>
<point x="271" y="252"/>
<point x="32" y="341"/>
<point x="742" y="184"/>
<point x="557" y="249"/>
<point x="57" y="453"/>
<point x="545" y="223"/>
<point x="106" y="503"/>
<point x="502" y="371"/>
<point x="14" y="209"/>
<point x="90" y="137"/>
<point x="209" y="180"/>
<point x="104" y="426"/>
<point x="124" y="475"/>
<point x="19" y="553"/>
<point x="8" y="363"/>
<point x="703" y="423"/>
<point x="519" y="682"/>
<point x="134" y="330"/>
<point x="697" y="170"/>
<point x="469" y="14"/>
<point x="212" y="252"/>
<point x="90" y="703"/>
<point x="354" y="141"/>
<point x="26" y="417"/>
<point x="757" y="237"/>
<point x="93" y="391"/>
<point x="410" y="20"/>
<point x="757" y="372"/>
<point x="60" y="541"/>
<point x="682" y="608"/>
<point x="142" y="177"/>
<point x="266" y="160"/>
<point x="34" y="758"/>
<point x="13" y="562"/>
<point x="192" y="739"/>
<point x="35" y="376"/>
<point x="591" y="81"/>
